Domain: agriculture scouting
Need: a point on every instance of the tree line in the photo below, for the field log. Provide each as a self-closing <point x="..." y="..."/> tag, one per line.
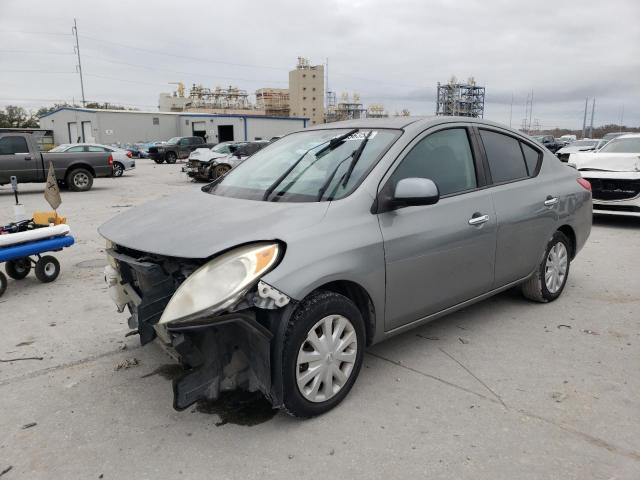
<point x="13" y="116"/>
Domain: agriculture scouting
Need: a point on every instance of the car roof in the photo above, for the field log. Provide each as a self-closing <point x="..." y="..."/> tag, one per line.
<point x="403" y="122"/>
<point x="627" y="135"/>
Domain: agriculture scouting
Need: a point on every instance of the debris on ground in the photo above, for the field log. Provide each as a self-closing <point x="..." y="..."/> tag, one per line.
<point x="6" y="470"/>
<point x="123" y="347"/>
<point x="558" y="396"/>
<point x="29" y="425"/>
<point x="463" y="340"/>
<point x="20" y="358"/>
<point x="127" y="363"/>
<point x="590" y="332"/>
<point x="564" y="326"/>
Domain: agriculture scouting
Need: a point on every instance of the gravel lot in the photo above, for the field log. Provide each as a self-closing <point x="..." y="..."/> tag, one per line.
<point x="505" y="389"/>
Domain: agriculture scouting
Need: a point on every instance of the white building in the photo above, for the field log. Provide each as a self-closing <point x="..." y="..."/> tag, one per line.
<point x="70" y="125"/>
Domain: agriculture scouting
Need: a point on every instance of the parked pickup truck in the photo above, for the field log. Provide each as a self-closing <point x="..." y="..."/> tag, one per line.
<point x="19" y="156"/>
<point x="175" y="148"/>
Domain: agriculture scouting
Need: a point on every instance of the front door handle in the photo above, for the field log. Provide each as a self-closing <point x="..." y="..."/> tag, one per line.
<point x="550" y="201"/>
<point x="478" y="219"/>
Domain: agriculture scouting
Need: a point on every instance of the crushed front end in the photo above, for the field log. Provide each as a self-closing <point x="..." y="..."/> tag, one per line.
<point x="224" y="347"/>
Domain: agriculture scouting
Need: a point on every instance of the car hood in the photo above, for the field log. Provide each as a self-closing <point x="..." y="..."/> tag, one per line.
<point x="571" y="149"/>
<point x="199" y="225"/>
<point x="611" y="162"/>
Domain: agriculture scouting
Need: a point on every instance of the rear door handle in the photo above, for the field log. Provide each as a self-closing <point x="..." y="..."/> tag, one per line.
<point x="478" y="219"/>
<point x="551" y="201"/>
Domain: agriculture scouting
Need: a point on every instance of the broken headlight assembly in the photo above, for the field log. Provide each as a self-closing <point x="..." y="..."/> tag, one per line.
<point x="220" y="283"/>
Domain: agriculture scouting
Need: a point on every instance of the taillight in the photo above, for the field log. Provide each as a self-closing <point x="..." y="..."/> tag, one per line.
<point x="129" y="154"/>
<point x="584" y="183"/>
<point x="110" y="160"/>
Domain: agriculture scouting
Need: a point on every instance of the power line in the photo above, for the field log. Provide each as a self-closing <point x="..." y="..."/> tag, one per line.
<point x="22" y="32"/>
<point x="37" y="52"/>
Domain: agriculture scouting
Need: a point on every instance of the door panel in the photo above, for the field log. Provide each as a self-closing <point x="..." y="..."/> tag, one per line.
<point x="434" y="258"/>
<point x="16" y="160"/>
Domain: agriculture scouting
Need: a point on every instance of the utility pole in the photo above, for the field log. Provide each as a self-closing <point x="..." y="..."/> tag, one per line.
<point x="74" y="30"/>
<point x="511" y="110"/>
<point x="584" y="120"/>
<point x="530" y="111"/>
<point x="621" y="118"/>
<point x="593" y="109"/>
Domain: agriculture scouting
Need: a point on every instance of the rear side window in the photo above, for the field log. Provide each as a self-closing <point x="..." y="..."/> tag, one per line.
<point x="531" y="157"/>
<point x="76" y="149"/>
<point x="13" y="145"/>
<point x="504" y="155"/>
<point x="444" y="157"/>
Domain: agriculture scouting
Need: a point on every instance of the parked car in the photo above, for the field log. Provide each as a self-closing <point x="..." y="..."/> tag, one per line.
<point x="176" y="148"/>
<point x="548" y="141"/>
<point x="209" y="164"/>
<point x="568" y="138"/>
<point x="610" y="136"/>
<point x="584" y="145"/>
<point x="614" y="174"/>
<point x="19" y="157"/>
<point x="122" y="159"/>
<point x="278" y="275"/>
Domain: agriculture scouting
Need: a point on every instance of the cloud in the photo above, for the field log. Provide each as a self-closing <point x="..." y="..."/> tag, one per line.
<point x="390" y="52"/>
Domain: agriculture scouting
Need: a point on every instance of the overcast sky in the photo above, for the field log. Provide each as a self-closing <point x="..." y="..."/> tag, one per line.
<point x="390" y="52"/>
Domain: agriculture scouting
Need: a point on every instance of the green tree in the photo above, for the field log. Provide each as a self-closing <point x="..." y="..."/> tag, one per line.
<point x="17" y="117"/>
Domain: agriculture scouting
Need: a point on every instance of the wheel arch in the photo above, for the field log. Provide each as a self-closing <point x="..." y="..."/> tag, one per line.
<point x="358" y="295"/>
<point x="570" y="233"/>
<point x="74" y="166"/>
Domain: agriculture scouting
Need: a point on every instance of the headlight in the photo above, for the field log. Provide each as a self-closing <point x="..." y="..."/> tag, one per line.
<point x="220" y="283"/>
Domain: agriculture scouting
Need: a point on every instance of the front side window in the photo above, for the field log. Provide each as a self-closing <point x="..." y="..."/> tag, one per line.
<point x="622" y="145"/>
<point x="12" y="145"/>
<point x="505" y="158"/>
<point x="92" y="148"/>
<point x="444" y="157"/>
<point x="307" y="166"/>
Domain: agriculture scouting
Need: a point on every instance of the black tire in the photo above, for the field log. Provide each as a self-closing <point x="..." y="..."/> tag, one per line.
<point x="3" y="284"/>
<point x="158" y="160"/>
<point x="79" y="180"/>
<point x="18" y="269"/>
<point x="47" y="269"/>
<point x="118" y="169"/>
<point x="171" y="157"/>
<point x="535" y="288"/>
<point x="220" y="170"/>
<point x="313" y="309"/>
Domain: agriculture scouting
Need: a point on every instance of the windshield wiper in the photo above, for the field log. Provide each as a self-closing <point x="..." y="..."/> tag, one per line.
<point x="332" y="144"/>
<point x="356" y="157"/>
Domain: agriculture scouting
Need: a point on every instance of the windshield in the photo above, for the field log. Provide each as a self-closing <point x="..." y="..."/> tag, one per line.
<point x="222" y="148"/>
<point x="584" y="143"/>
<point x="305" y="174"/>
<point x="60" y="148"/>
<point x="622" y="145"/>
<point x="173" y="141"/>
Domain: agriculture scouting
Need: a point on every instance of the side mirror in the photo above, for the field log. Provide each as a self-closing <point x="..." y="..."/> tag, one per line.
<point x="415" y="191"/>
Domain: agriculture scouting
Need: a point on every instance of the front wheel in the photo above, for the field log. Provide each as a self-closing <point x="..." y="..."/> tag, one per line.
<point x="550" y="278"/>
<point x="47" y="269"/>
<point x="323" y="351"/>
<point x="220" y="170"/>
<point x="171" y="157"/>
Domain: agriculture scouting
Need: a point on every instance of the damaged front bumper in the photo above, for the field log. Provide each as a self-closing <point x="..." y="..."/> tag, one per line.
<point x="225" y="351"/>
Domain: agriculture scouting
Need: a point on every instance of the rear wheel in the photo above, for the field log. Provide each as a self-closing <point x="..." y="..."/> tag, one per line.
<point x="47" y="269"/>
<point x="79" y="180"/>
<point x="171" y="157"/>
<point x="118" y="169"/>
<point x="550" y="278"/>
<point x="323" y="352"/>
<point x="18" y="269"/>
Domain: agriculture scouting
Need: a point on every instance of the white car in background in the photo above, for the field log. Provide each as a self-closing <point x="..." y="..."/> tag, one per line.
<point x="122" y="159"/>
<point x="584" y="145"/>
<point x="614" y="174"/>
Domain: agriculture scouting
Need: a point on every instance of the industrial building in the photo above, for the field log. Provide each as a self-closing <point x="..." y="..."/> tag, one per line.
<point x="461" y="99"/>
<point x="70" y="125"/>
<point x="306" y="91"/>
<point x="273" y="101"/>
